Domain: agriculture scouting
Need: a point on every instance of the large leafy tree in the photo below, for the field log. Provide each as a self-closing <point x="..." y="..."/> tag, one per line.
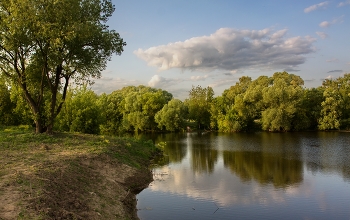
<point x="111" y="112"/>
<point x="310" y="111"/>
<point x="46" y="44"/>
<point x="283" y="100"/>
<point x="199" y="105"/>
<point x="234" y="116"/>
<point x="141" y="105"/>
<point x="335" y="112"/>
<point x="80" y="113"/>
<point x="172" y="116"/>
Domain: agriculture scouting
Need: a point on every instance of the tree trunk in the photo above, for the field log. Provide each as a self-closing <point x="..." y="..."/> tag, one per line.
<point x="39" y="128"/>
<point x="49" y="129"/>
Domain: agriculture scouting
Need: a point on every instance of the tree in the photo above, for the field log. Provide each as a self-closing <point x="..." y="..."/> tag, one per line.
<point x="80" y="113"/>
<point x="199" y="104"/>
<point x="111" y="112"/>
<point x="141" y="105"/>
<point x="172" y="116"/>
<point x="6" y="105"/>
<point x="310" y="111"/>
<point x="335" y="113"/>
<point x="283" y="100"/>
<point x="235" y="115"/>
<point x="46" y="44"/>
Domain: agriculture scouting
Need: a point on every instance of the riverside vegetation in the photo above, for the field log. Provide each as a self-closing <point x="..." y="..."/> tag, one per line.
<point x="70" y="176"/>
<point x="276" y="103"/>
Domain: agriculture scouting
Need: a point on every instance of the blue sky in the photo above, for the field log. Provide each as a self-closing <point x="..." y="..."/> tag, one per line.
<point x="174" y="45"/>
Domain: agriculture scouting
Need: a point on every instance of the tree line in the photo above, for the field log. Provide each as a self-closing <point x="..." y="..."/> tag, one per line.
<point x="41" y="55"/>
<point x="278" y="103"/>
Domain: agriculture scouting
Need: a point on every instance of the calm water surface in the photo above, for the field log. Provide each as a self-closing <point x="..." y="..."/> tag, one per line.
<point x="304" y="175"/>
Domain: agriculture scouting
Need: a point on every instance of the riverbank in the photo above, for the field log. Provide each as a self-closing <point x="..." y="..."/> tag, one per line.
<point x="71" y="176"/>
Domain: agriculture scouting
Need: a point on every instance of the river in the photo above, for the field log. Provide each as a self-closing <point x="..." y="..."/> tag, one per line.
<point x="301" y="175"/>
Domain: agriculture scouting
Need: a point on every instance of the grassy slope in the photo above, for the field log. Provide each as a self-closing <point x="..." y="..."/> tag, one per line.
<point x="70" y="176"/>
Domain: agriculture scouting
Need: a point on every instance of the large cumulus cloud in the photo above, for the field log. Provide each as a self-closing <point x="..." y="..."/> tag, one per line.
<point x="231" y="49"/>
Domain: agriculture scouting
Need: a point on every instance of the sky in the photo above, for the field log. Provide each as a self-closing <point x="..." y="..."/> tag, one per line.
<point x="174" y="45"/>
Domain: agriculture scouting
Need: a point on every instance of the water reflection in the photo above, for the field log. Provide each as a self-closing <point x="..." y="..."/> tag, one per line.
<point x="251" y="175"/>
<point x="203" y="159"/>
<point x="175" y="147"/>
<point x="265" y="157"/>
<point x="328" y="152"/>
<point x="264" y="168"/>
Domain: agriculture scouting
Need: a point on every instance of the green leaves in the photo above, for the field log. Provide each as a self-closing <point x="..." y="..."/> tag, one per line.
<point x="81" y="113"/>
<point x="199" y="104"/>
<point x="141" y="105"/>
<point x="44" y="44"/>
<point x="172" y="116"/>
<point x="282" y="100"/>
<point x="335" y="113"/>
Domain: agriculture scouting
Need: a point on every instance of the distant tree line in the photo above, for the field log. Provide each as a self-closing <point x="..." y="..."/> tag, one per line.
<point x="279" y="103"/>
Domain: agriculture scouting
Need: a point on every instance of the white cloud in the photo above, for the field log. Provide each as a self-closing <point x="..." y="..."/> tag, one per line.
<point x="341" y="4"/>
<point x="326" y="24"/>
<point x="110" y="84"/>
<point x="322" y="35"/>
<point x="161" y="82"/>
<point x="156" y="80"/>
<point x="316" y="6"/>
<point x="231" y="50"/>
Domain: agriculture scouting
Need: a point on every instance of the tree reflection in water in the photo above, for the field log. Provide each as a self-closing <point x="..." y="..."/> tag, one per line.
<point x="264" y="168"/>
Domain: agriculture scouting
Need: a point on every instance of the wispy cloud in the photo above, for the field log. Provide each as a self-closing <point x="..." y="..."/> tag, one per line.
<point x="170" y="84"/>
<point x="326" y="24"/>
<point x="223" y="82"/>
<point x="333" y="60"/>
<point x="322" y="35"/>
<point x="316" y="7"/>
<point x="110" y="84"/>
<point x="291" y="70"/>
<point x="341" y="4"/>
<point x="231" y="50"/>
<point x="162" y="82"/>
<point x="335" y="71"/>
<point x="199" y="78"/>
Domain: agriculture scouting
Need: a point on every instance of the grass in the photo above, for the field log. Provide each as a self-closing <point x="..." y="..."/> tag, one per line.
<point x="56" y="176"/>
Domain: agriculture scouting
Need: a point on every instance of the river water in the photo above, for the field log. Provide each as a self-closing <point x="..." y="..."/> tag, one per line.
<point x="303" y="175"/>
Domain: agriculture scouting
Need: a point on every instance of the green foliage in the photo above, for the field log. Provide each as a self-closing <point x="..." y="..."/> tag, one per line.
<point x="111" y="112"/>
<point x="241" y="105"/>
<point x="172" y="116"/>
<point x="277" y="103"/>
<point x="6" y="105"/>
<point x="310" y="112"/>
<point x="141" y="105"/>
<point x="199" y="104"/>
<point x="335" y="113"/>
<point x="283" y="100"/>
<point x="46" y="44"/>
<point x="80" y="112"/>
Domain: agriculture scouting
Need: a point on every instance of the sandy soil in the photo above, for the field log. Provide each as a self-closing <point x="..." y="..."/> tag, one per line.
<point x="67" y="186"/>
